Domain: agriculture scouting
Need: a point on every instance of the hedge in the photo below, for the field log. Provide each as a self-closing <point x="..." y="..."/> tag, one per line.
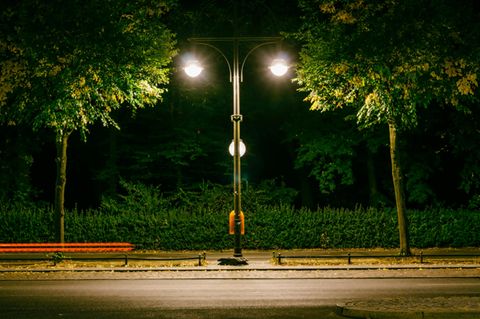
<point x="267" y="227"/>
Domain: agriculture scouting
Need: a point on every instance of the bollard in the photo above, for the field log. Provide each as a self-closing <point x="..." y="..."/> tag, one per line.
<point x="349" y="259"/>
<point x="126" y="261"/>
<point x="279" y="257"/>
<point x="421" y="257"/>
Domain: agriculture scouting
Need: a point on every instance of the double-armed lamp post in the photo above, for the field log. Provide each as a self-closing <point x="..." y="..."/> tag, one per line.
<point x="235" y="66"/>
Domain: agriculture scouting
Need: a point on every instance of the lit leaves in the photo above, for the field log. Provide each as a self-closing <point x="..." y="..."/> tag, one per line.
<point x="342" y="12"/>
<point x="386" y="58"/>
<point x="79" y="64"/>
<point x="467" y="84"/>
<point x="466" y="78"/>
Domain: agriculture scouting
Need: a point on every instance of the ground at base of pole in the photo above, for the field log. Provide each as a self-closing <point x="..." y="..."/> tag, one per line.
<point x="233" y="261"/>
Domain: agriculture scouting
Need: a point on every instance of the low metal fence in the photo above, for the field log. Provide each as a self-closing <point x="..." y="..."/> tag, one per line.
<point x="59" y="257"/>
<point x="278" y="257"/>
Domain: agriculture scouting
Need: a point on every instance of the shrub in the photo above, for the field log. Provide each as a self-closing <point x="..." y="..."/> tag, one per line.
<point x="26" y="223"/>
<point x="198" y="219"/>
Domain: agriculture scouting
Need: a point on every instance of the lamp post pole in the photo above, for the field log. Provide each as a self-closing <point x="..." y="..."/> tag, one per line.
<point x="237" y="175"/>
<point x="235" y="66"/>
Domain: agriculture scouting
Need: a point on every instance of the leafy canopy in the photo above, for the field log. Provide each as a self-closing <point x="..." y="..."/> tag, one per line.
<point x="67" y="64"/>
<point x="387" y="58"/>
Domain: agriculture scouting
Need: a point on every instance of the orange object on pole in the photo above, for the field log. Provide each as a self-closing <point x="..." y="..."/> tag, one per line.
<point x="231" y="223"/>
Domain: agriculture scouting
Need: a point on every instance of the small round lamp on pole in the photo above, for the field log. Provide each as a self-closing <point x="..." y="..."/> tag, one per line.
<point x="231" y="148"/>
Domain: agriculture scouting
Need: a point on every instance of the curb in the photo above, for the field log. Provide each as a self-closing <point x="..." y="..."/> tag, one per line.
<point x="239" y="268"/>
<point x="372" y="314"/>
<point x="361" y="313"/>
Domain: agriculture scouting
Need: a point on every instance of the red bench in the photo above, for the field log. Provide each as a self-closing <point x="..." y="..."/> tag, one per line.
<point x="65" y="247"/>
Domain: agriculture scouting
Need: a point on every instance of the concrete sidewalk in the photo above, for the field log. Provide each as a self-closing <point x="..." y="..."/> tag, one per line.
<point x="258" y="260"/>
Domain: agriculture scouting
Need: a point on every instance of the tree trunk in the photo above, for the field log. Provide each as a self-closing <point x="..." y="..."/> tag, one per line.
<point x="399" y="195"/>
<point x="61" y="159"/>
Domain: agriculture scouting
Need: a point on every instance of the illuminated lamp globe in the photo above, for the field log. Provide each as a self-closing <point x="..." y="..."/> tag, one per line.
<point x="279" y="67"/>
<point x="193" y="68"/>
<point x="243" y="148"/>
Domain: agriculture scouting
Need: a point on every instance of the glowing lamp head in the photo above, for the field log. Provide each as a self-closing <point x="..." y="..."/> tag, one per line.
<point x="193" y="68"/>
<point x="279" y="67"/>
<point x="243" y="148"/>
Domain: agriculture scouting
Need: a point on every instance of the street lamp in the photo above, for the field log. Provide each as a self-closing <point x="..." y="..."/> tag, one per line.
<point x="193" y="68"/>
<point x="231" y="148"/>
<point x="279" y="67"/>
<point x="235" y="66"/>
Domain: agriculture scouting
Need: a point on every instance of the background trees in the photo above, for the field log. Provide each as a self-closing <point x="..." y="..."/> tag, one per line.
<point x="180" y="145"/>
<point x="386" y="60"/>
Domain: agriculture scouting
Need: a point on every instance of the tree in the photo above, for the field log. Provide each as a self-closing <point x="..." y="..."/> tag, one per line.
<point x="386" y="59"/>
<point x="69" y="64"/>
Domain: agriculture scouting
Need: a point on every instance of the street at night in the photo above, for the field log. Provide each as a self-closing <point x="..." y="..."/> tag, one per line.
<point x="241" y="159"/>
<point x="216" y="298"/>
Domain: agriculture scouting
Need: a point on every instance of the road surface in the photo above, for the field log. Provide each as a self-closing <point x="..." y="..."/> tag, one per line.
<point x="211" y="298"/>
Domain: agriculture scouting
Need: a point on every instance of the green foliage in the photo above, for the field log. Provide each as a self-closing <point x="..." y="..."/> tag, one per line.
<point x="474" y="202"/>
<point x="326" y="149"/>
<point x="20" y="223"/>
<point x="270" y="192"/>
<point x="418" y="190"/>
<point x="138" y="197"/>
<point x="267" y="227"/>
<point x="387" y="58"/>
<point x="134" y="197"/>
<point x="444" y="228"/>
<point x="329" y="168"/>
<point x="58" y="258"/>
<point x="67" y="65"/>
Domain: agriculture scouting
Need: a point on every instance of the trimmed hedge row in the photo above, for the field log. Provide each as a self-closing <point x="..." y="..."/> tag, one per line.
<point x="26" y="224"/>
<point x="268" y="227"/>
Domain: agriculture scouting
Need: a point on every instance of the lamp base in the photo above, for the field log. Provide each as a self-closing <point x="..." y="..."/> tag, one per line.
<point x="233" y="261"/>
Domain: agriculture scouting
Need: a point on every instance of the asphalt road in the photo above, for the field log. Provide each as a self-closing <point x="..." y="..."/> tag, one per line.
<point x="210" y="298"/>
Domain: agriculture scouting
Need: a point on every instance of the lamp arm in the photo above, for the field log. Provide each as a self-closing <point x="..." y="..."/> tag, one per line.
<point x="250" y="52"/>
<point x="220" y="52"/>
